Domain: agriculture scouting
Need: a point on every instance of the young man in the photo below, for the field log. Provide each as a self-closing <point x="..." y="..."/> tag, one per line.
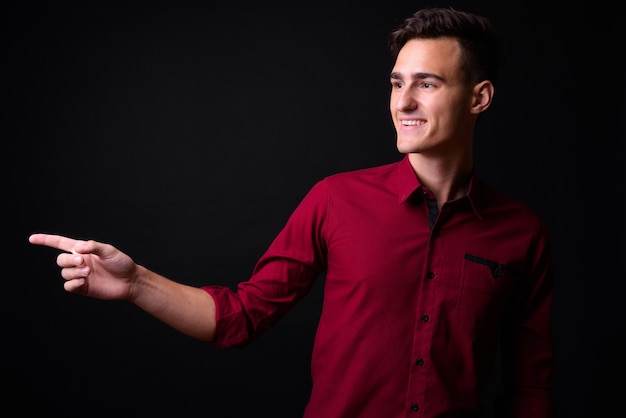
<point x="427" y="268"/>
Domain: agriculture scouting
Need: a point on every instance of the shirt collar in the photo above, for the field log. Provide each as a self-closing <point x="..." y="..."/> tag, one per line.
<point x="407" y="180"/>
<point x="474" y="194"/>
<point x="409" y="183"/>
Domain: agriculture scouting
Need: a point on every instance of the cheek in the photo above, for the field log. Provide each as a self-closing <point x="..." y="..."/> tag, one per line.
<point x="392" y="102"/>
<point x="393" y="108"/>
<point x="395" y="97"/>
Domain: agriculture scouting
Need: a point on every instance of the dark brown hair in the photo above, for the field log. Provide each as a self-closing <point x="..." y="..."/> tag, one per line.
<point x="479" y="41"/>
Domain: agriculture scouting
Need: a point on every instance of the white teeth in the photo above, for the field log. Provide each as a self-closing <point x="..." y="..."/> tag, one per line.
<point x="412" y="122"/>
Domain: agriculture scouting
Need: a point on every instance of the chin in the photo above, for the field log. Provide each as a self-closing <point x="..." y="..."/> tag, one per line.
<point x="405" y="148"/>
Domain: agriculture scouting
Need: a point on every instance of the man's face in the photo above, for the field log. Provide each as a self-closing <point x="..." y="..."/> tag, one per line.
<point x="430" y="99"/>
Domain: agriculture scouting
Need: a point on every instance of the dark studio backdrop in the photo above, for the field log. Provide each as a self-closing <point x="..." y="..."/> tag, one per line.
<point x="186" y="135"/>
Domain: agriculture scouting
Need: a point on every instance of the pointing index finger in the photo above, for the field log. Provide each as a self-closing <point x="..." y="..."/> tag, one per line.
<point x="54" y="241"/>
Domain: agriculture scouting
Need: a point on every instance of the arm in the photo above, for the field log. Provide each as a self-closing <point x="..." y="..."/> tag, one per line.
<point x="101" y="271"/>
<point x="527" y="345"/>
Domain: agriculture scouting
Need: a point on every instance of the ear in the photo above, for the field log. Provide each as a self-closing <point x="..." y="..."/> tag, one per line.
<point x="482" y="96"/>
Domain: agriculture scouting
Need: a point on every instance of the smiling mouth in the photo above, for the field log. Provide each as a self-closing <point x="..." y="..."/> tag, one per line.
<point x="412" y="122"/>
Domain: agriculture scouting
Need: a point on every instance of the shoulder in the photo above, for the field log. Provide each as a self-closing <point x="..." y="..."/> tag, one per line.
<point x="500" y="205"/>
<point x="363" y="175"/>
<point x="358" y="184"/>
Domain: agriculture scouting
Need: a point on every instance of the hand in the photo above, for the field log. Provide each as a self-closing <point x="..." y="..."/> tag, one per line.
<point x="92" y="268"/>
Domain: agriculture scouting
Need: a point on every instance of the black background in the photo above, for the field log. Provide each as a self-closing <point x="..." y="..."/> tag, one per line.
<point x="186" y="134"/>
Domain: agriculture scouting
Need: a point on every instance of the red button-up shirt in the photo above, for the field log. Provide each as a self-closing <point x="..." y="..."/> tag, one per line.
<point x="414" y="298"/>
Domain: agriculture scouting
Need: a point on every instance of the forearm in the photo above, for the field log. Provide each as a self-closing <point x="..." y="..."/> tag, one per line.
<point x="188" y="309"/>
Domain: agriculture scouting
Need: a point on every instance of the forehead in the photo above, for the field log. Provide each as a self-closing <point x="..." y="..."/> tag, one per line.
<point x="439" y="56"/>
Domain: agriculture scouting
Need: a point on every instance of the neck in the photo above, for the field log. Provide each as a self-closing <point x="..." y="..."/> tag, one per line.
<point x="447" y="179"/>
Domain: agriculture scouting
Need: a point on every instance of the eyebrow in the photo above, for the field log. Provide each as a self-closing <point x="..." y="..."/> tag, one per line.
<point x="416" y="76"/>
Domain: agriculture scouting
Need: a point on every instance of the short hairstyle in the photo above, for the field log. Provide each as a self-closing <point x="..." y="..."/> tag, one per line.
<point x="477" y="37"/>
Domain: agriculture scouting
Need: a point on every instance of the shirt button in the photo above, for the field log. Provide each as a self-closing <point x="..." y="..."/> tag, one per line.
<point x="419" y="362"/>
<point x="414" y="407"/>
<point x="425" y="318"/>
<point x="430" y="275"/>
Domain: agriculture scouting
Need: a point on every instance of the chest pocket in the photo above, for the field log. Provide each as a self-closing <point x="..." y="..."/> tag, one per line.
<point x="496" y="269"/>
<point x="486" y="288"/>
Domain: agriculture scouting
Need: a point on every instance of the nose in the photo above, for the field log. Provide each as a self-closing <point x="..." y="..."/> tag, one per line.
<point x="405" y="100"/>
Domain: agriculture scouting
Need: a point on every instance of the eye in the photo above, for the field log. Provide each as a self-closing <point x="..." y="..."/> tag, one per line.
<point x="427" y="85"/>
<point x="397" y="84"/>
